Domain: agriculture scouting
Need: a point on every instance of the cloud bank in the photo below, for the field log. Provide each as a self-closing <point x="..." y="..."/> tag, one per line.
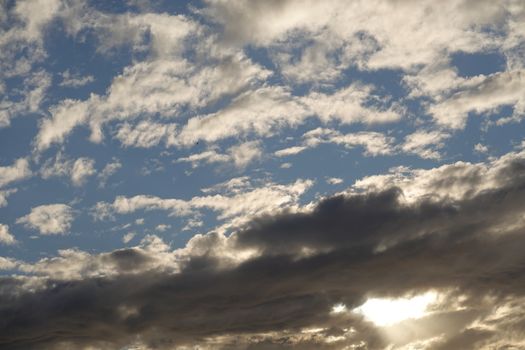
<point x="295" y="267"/>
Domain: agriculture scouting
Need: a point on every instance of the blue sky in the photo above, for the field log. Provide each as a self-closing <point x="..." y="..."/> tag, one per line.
<point x="124" y="123"/>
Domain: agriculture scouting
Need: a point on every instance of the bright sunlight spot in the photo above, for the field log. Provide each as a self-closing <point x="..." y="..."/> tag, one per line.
<point x="338" y="308"/>
<point x="384" y="312"/>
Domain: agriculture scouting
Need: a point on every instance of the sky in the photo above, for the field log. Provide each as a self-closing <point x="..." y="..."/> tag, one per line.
<point x="281" y="174"/>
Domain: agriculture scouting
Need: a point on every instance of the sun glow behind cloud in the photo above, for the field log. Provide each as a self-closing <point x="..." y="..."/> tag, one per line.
<point x="385" y="312"/>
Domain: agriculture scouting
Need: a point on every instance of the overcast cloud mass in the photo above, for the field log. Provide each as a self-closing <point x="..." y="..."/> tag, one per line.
<point x="262" y="174"/>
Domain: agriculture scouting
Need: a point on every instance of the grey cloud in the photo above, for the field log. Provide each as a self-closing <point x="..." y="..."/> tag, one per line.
<point x="344" y="250"/>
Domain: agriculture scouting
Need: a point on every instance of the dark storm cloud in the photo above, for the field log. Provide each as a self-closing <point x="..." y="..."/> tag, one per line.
<point x="344" y="250"/>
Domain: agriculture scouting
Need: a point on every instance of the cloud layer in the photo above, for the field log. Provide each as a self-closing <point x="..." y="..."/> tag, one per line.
<point x="296" y="267"/>
<point x="168" y="174"/>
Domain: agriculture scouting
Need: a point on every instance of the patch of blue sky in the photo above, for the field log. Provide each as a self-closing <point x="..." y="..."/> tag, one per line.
<point x="479" y="63"/>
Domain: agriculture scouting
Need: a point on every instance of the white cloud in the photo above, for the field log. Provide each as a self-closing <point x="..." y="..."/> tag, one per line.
<point x="75" y="264"/>
<point x="484" y="94"/>
<point x="162" y="227"/>
<point x="238" y="207"/>
<point x="108" y="170"/>
<point x="82" y="169"/>
<point x="313" y="42"/>
<point x="34" y="14"/>
<point x="240" y="155"/>
<point x="60" y="166"/>
<point x="192" y="223"/>
<point x="21" y="48"/>
<point x="4" y="194"/>
<point x="352" y="105"/>
<point x="307" y="41"/>
<point x="264" y="111"/>
<point x="128" y="237"/>
<point x="65" y="116"/>
<point x="5" y="236"/>
<point x="478" y="147"/>
<point x="18" y="171"/>
<point x="451" y="181"/>
<point x="290" y="151"/>
<point x="209" y="156"/>
<point x="24" y="100"/>
<point x="234" y="185"/>
<point x="159" y="86"/>
<point x="334" y="181"/>
<point x="408" y="34"/>
<point x="147" y="134"/>
<point x="245" y="153"/>
<point x="425" y="143"/>
<point x="374" y="143"/>
<point x="8" y="263"/>
<point x="49" y="219"/>
<point x="260" y="112"/>
<point x="75" y="80"/>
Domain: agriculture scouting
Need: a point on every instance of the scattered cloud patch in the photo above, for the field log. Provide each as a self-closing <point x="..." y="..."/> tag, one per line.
<point x="78" y="170"/>
<point x="75" y="80"/>
<point x="5" y="236"/>
<point x="128" y="237"/>
<point x="20" y="170"/>
<point x="49" y="219"/>
<point x="334" y="181"/>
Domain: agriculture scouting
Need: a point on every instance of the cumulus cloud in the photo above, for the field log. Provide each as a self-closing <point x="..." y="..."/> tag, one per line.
<point x="233" y="208"/>
<point x="49" y="219"/>
<point x="208" y="156"/>
<point x="164" y="84"/>
<point x="162" y="227"/>
<point x="237" y="207"/>
<point x="399" y="40"/>
<point x="296" y="267"/>
<point x="5" y="236"/>
<point x="108" y="170"/>
<point x="215" y="84"/>
<point x="4" y="195"/>
<point x="306" y="42"/>
<point x="245" y="153"/>
<point x="18" y="171"/>
<point x="480" y="148"/>
<point x="240" y="155"/>
<point x="21" y="48"/>
<point x="81" y="170"/>
<point x="334" y="180"/>
<point x="373" y="143"/>
<point x="290" y="151"/>
<point x="485" y="94"/>
<point x="78" y="170"/>
<point x="128" y="237"/>
<point x="147" y="134"/>
<point x="425" y="143"/>
<point x="259" y="112"/>
<point x="448" y="182"/>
